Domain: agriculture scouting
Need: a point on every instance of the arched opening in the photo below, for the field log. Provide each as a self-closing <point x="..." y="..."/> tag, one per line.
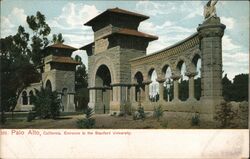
<point x="48" y="86"/>
<point x="197" y="79"/>
<point x="24" y="98"/>
<point x="31" y="97"/>
<point x="103" y="88"/>
<point x="153" y="86"/>
<point x="168" y="84"/>
<point x="183" y="81"/>
<point x="139" y="87"/>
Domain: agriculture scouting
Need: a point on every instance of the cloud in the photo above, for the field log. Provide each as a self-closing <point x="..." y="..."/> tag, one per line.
<point x="10" y="23"/>
<point x="70" y="24"/>
<point x="228" y="21"/>
<point x="228" y="44"/>
<point x="169" y="33"/>
<point x="150" y="8"/>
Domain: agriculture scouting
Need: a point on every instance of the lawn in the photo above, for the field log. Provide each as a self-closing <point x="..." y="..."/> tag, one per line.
<point x="105" y="121"/>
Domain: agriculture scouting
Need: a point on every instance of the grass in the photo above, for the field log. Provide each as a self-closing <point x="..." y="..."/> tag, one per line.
<point x="105" y="121"/>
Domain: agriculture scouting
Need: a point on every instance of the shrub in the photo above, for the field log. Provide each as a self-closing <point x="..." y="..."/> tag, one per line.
<point x="88" y="122"/>
<point x="158" y="113"/>
<point x="139" y="114"/>
<point x="47" y="104"/>
<point x="30" y="116"/>
<point x="195" y="119"/>
<point x="224" y="115"/>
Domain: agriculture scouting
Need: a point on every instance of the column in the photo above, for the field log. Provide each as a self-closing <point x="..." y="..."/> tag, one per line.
<point x="161" y="88"/>
<point x="210" y="34"/>
<point x="176" y="87"/>
<point x="191" y="85"/>
<point x="146" y="83"/>
<point x="132" y="92"/>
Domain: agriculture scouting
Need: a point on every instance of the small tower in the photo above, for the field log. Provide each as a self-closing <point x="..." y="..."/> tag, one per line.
<point x="58" y="73"/>
<point x="116" y="41"/>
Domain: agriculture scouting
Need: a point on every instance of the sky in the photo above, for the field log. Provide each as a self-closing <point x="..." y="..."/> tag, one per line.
<point x="171" y="21"/>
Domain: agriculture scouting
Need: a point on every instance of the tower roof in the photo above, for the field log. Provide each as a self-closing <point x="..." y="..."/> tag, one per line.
<point x="116" y="11"/>
<point x="61" y="46"/>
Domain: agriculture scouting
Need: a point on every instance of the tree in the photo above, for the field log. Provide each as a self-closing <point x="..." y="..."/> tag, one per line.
<point x="47" y="104"/>
<point x="227" y="92"/>
<point x="57" y="38"/>
<point x="39" y="40"/>
<point x="81" y="75"/>
<point x="14" y="65"/>
<point x="81" y="84"/>
<point x="240" y="87"/>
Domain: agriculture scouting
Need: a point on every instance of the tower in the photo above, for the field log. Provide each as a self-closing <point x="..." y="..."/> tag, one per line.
<point x="211" y="32"/>
<point x="116" y="41"/>
<point x="58" y="73"/>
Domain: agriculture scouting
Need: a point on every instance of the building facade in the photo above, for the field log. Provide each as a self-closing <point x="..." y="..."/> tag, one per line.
<point x="57" y="74"/>
<point x="119" y="71"/>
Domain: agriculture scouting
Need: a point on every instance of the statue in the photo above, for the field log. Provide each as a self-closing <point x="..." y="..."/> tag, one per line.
<point x="209" y="9"/>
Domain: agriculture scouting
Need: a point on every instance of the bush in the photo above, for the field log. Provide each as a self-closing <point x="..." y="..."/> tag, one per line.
<point x="47" y="104"/>
<point x="224" y="115"/>
<point x="139" y="114"/>
<point x="195" y="119"/>
<point x="158" y="113"/>
<point x="30" y="116"/>
<point x="88" y="122"/>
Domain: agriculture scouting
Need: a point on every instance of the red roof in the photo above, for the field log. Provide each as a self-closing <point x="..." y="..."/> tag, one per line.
<point x="62" y="59"/>
<point x="135" y="33"/>
<point x="61" y="46"/>
<point x="116" y="10"/>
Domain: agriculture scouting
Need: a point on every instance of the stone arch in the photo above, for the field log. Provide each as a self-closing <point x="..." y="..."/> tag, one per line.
<point x="103" y="61"/>
<point x="48" y="85"/>
<point x="24" y="98"/>
<point x="183" y="83"/>
<point x="102" y="82"/>
<point x="31" y="97"/>
<point x="168" y="84"/>
<point x="197" y="78"/>
<point x="153" y="86"/>
<point x="138" y="78"/>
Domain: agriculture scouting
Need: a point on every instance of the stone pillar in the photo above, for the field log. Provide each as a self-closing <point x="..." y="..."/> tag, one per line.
<point x="176" y="87"/>
<point x="161" y="89"/>
<point x="92" y="93"/>
<point x="210" y="34"/>
<point x="191" y="85"/>
<point x="70" y="107"/>
<point x="132" y="92"/>
<point x="146" y="83"/>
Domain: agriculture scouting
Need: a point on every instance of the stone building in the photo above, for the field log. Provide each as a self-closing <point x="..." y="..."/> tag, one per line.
<point x="119" y="70"/>
<point x="57" y="74"/>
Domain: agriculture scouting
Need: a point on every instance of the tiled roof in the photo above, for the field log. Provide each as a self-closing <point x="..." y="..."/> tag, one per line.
<point x="119" y="10"/>
<point x="61" y="46"/>
<point x="62" y="59"/>
<point x="116" y="10"/>
<point x="135" y="33"/>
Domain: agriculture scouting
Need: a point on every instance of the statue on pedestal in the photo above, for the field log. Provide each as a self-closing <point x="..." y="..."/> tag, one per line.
<point x="209" y="9"/>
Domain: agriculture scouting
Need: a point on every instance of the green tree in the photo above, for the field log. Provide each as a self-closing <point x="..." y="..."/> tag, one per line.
<point x="81" y="75"/>
<point x="14" y="65"/>
<point x="81" y="84"/>
<point x="47" y="104"/>
<point x="227" y="92"/>
<point x="57" y="38"/>
<point x="240" y="87"/>
<point x="39" y="40"/>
